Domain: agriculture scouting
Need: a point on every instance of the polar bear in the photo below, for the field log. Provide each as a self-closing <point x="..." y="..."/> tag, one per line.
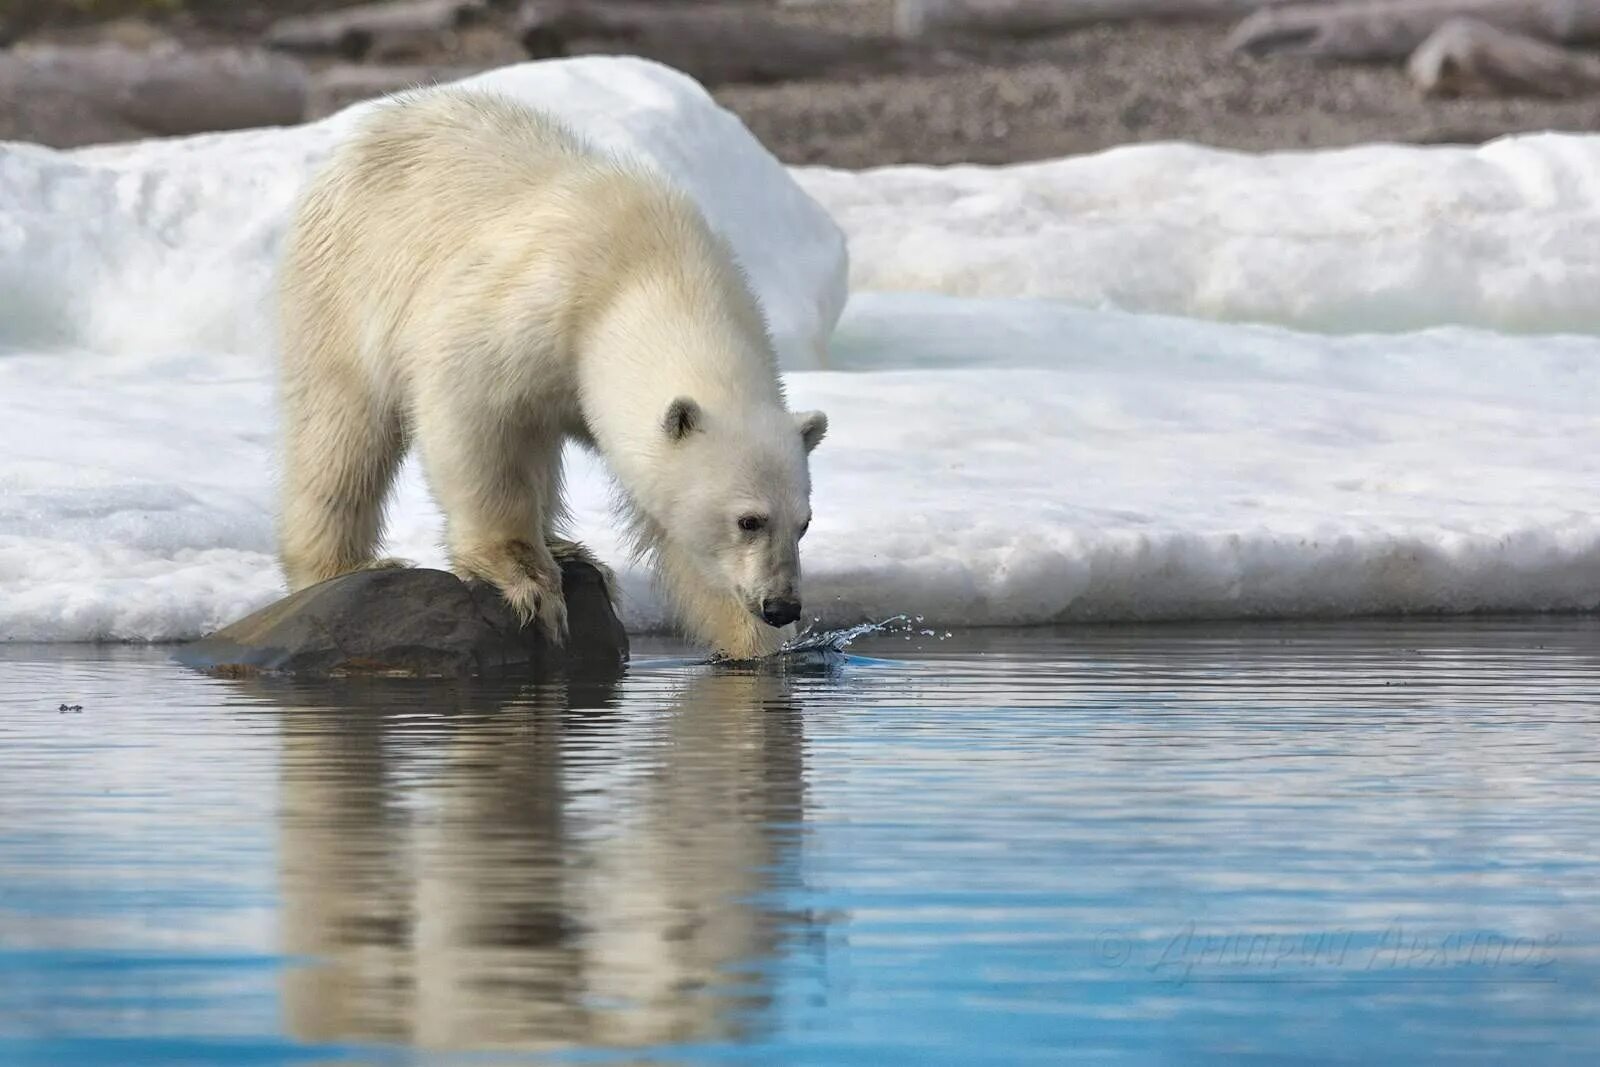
<point x="466" y="274"/>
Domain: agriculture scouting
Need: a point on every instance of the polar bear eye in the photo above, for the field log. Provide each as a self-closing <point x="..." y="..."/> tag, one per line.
<point x="804" y="526"/>
<point x="751" y="523"/>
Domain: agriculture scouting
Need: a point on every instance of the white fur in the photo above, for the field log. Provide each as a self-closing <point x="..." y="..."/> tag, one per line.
<point x="467" y="275"/>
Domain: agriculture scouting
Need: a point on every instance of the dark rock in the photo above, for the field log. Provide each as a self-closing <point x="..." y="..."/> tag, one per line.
<point x="412" y="623"/>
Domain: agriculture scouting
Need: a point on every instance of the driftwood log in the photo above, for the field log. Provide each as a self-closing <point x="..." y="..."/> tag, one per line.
<point x="716" y="44"/>
<point x="337" y="87"/>
<point x="1393" y="29"/>
<point x="1023" y="18"/>
<point x="377" y="30"/>
<point x="1466" y="57"/>
<point x="71" y="96"/>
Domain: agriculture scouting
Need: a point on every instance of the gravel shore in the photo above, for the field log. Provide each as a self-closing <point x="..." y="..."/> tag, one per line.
<point x="994" y="102"/>
<point x="982" y="101"/>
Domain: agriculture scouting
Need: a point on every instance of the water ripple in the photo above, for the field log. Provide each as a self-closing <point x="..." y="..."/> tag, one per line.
<point x="1190" y="843"/>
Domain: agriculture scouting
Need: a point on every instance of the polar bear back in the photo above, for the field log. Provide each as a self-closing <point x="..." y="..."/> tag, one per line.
<point x="475" y="207"/>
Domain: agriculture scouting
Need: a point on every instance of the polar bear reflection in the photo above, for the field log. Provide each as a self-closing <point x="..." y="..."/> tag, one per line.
<point x="532" y="875"/>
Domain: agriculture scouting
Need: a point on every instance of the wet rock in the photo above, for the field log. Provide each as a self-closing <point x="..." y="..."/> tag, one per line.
<point x="412" y="623"/>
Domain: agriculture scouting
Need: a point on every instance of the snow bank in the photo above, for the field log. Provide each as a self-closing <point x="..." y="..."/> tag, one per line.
<point x="988" y="462"/>
<point x="172" y="244"/>
<point x="1505" y="236"/>
<point x="1049" y="463"/>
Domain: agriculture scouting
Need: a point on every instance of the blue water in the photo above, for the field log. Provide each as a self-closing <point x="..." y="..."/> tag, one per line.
<point x="1366" y="842"/>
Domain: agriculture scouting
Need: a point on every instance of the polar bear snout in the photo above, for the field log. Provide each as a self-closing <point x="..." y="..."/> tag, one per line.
<point x="780" y="611"/>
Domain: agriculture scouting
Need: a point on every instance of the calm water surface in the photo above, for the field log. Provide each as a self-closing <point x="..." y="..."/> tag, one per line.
<point x="1374" y="842"/>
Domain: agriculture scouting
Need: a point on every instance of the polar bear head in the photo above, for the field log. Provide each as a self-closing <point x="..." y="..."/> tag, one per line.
<point x="738" y="500"/>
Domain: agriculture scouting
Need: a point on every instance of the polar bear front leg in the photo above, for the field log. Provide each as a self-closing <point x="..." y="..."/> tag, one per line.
<point x="498" y="486"/>
<point x="342" y="447"/>
<point x="524" y="572"/>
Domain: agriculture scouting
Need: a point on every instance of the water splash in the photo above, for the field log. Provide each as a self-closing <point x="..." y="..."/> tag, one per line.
<point x="821" y="644"/>
<point x="809" y="640"/>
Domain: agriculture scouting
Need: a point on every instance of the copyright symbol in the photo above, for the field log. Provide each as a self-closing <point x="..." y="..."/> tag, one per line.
<point x="1112" y="950"/>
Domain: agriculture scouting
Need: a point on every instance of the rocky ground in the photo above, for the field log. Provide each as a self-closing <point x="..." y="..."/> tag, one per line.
<point x="1114" y="84"/>
<point x="826" y="82"/>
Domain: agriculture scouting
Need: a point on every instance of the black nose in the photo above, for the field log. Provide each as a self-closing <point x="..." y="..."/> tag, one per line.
<point x="777" y="611"/>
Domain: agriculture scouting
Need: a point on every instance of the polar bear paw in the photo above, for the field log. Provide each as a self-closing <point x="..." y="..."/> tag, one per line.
<point x="529" y="579"/>
<point x="742" y="640"/>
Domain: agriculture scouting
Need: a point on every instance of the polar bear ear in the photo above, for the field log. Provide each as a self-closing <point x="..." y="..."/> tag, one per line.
<point x="682" y="418"/>
<point x="813" y="426"/>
